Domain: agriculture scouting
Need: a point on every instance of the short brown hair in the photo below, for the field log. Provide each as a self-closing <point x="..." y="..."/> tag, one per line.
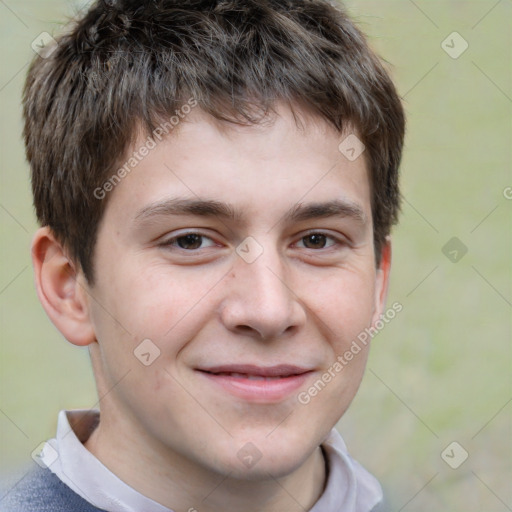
<point x="129" y="63"/>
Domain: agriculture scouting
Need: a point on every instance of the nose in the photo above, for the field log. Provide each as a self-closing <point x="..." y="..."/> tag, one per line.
<point x="261" y="301"/>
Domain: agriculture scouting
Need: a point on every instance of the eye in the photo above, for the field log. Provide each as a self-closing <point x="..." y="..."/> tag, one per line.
<point x="316" y="241"/>
<point x="189" y="242"/>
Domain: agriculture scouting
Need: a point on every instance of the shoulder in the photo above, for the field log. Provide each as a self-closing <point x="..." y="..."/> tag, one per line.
<point x="42" y="491"/>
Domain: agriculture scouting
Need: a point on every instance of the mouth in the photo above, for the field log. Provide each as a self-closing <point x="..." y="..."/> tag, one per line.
<point x="260" y="384"/>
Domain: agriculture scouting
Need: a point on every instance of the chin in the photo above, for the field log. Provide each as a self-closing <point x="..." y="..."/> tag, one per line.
<point x="263" y="470"/>
<point x="264" y="460"/>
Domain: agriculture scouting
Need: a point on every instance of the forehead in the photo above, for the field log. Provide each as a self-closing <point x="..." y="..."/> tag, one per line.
<point x="289" y="158"/>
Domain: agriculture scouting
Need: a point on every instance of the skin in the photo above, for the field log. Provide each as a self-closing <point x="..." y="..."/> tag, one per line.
<point x="165" y="429"/>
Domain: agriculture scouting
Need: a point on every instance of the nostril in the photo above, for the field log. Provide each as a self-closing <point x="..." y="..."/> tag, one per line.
<point x="245" y="328"/>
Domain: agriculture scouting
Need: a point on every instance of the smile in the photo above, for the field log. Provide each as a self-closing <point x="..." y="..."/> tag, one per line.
<point x="257" y="384"/>
<point x="247" y="376"/>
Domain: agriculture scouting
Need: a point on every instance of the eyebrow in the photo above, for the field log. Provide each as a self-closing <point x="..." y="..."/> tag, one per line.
<point x="335" y="208"/>
<point x="199" y="207"/>
<point x="211" y="208"/>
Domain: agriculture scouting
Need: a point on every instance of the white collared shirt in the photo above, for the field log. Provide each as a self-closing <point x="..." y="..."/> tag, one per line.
<point x="349" y="488"/>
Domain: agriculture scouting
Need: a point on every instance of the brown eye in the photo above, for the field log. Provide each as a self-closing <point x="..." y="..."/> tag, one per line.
<point x="314" y="241"/>
<point x="190" y="242"/>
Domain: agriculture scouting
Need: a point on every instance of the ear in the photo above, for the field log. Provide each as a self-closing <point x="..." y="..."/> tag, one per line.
<point x="61" y="288"/>
<point x="382" y="280"/>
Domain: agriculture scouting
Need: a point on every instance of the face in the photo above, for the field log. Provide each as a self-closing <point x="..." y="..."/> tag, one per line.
<point x="242" y="258"/>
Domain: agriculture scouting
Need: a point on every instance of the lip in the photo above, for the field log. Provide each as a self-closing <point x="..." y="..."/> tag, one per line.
<point x="259" y="384"/>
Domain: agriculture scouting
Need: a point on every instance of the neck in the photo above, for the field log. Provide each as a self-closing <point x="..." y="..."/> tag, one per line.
<point x="182" y="485"/>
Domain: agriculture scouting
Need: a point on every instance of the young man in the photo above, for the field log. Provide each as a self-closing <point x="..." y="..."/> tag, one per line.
<point x="216" y="182"/>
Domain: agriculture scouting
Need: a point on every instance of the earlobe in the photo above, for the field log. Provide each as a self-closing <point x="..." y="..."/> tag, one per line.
<point x="60" y="288"/>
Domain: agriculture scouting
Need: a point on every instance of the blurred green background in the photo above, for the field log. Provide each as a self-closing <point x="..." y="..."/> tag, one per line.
<point x="441" y="371"/>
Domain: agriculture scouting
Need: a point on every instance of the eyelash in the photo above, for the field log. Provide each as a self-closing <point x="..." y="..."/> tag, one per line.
<point x="336" y="241"/>
<point x="172" y="242"/>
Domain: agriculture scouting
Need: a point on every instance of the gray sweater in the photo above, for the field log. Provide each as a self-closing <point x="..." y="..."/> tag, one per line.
<point x="41" y="491"/>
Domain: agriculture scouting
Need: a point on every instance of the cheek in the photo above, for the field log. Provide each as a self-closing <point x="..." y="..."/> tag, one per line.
<point x="345" y="307"/>
<point x="344" y="311"/>
<point x="166" y="305"/>
<point x="144" y="310"/>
